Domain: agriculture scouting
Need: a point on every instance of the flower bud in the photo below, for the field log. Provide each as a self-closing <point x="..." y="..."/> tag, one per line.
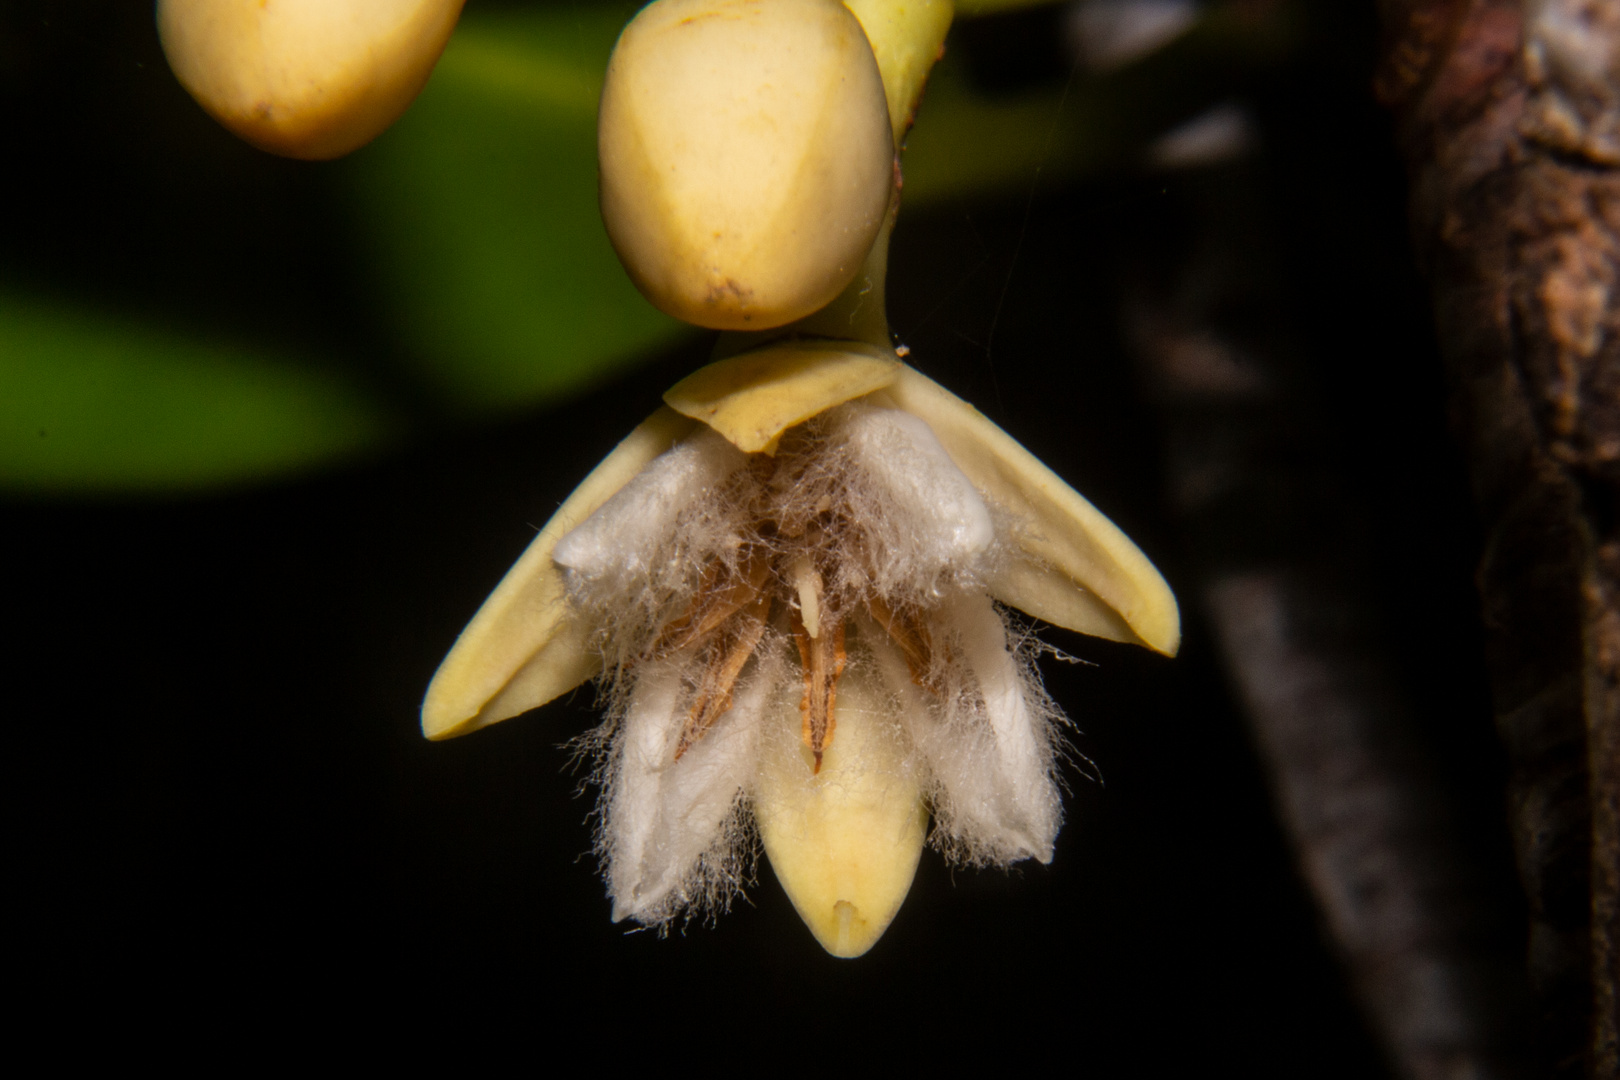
<point x="746" y="156"/>
<point x="310" y="79"/>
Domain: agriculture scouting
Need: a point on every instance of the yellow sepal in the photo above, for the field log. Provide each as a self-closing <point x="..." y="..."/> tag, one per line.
<point x="521" y="649"/>
<point x="753" y="397"/>
<point x="1080" y="571"/>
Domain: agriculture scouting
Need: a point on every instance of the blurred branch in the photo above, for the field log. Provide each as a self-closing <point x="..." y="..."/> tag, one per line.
<point x="1259" y="484"/>
<point x="1509" y="115"/>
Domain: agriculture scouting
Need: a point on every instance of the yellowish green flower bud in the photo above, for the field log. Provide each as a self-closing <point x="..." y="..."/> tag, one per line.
<point x="310" y="79"/>
<point x="747" y="160"/>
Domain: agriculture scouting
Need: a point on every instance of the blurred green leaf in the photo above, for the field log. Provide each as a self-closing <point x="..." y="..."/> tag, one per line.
<point x="90" y="404"/>
<point x="481" y="212"/>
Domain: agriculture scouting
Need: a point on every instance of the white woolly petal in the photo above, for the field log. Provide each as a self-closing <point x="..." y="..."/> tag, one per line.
<point x="1022" y="766"/>
<point x="620" y="541"/>
<point x="669" y="828"/>
<point x="632" y="804"/>
<point x="925" y="493"/>
<point x="986" y="742"/>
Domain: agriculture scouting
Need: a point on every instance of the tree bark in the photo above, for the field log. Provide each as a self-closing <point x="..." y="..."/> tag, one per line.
<point x="1509" y="118"/>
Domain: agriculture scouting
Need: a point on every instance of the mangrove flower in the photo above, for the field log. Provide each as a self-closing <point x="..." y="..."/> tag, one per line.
<point x="785" y="582"/>
<point x="791" y="583"/>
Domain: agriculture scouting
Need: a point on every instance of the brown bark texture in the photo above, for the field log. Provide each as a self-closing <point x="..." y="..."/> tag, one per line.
<point x="1509" y="118"/>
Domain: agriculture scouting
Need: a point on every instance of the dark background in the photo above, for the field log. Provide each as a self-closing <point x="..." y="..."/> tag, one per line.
<point x="223" y="808"/>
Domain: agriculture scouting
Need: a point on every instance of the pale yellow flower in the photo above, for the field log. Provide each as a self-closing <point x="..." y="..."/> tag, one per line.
<point x="785" y="582"/>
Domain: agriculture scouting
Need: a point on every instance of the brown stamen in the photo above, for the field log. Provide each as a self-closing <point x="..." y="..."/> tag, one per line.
<point x="721" y="595"/>
<point x="910" y="634"/>
<point x="725" y="657"/>
<point x="823" y="660"/>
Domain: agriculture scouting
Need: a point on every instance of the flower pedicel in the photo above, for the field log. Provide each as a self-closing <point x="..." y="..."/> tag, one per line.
<point x="786" y="580"/>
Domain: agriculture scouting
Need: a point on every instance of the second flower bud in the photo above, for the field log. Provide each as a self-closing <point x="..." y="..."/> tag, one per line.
<point x="746" y="154"/>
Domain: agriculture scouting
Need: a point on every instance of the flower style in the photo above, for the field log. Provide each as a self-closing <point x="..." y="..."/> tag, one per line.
<point x="785" y="583"/>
